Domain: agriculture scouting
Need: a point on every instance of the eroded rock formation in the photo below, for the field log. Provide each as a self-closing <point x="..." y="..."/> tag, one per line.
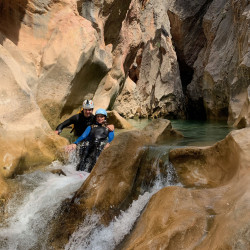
<point x="25" y="139"/>
<point x="142" y="58"/>
<point x="221" y="71"/>
<point x="214" y="217"/>
<point x="118" y="167"/>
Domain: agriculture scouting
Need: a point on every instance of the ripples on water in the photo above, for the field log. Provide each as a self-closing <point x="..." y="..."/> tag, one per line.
<point x="199" y="133"/>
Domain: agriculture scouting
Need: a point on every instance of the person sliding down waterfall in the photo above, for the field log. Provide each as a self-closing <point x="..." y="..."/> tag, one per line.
<point x="95" y="138"/>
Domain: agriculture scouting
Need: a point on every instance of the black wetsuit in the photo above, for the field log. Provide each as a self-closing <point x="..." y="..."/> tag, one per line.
<point x="90" y="149"/>
<point x="80" y="123"/>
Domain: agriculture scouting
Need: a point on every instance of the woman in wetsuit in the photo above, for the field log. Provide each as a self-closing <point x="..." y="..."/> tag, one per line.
<point x="94" y="138"/>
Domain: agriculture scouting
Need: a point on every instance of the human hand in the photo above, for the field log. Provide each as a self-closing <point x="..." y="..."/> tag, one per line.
<point x="57" y="132"/>
<point x="70" y="148"/>
<point x="106" y="146"/>
<point x="111" y="127"/>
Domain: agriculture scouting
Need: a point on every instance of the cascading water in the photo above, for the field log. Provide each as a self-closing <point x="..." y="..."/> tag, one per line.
<point x="40" y="195"/>
<point x="92" y="236"/>
<point x="34" y="205"/>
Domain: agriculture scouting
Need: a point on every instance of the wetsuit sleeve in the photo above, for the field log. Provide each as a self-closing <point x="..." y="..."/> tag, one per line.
<point x="84" y="135"/>
<point x="66" y="123"/>
<point x="111" y="136"/>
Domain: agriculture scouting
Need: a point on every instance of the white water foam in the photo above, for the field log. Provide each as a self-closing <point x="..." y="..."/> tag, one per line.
<point x="90" y="236"/>
<point x="26" y="229"/>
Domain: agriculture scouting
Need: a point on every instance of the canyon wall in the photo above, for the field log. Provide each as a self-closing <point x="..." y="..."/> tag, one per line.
<point x="142" y="58"/>
<point x="176" y="59"/>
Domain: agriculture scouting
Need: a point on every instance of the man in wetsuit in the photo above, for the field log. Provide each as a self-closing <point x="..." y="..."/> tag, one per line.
<point x="82" y="120"/>
<point x="96" y="138"/>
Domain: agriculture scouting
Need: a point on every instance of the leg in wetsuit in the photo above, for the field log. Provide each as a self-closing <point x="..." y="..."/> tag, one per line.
<point x="82" y="153"/>
<point x="89" y="153"/>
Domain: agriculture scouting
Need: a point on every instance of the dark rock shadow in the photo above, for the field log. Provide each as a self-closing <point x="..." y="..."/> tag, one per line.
<point x="85" y="82"/>
<point x="116" y="13"/>
<point x="11" y="16"/>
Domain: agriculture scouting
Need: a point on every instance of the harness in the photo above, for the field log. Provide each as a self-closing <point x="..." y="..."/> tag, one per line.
<point x="99" y="132"/>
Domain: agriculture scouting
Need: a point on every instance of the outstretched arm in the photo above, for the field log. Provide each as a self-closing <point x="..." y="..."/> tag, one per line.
<point x="83" y="136"/>
<point x="110" y="138"/>
<point x="79" y="139"/>
<point x="65" y="124"/>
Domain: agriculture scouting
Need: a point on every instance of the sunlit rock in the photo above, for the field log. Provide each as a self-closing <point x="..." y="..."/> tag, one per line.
<point x="118" y="121"/>
<point x="154" y="69"/>
<point x="112" y="181"/>
<point x="24" y="133"/>
<point x="201" y="218"/>
<point x="171" y="220"/>
<point x="58" y="51"/>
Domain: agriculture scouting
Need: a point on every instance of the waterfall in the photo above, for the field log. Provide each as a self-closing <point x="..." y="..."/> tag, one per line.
<point x="40" y="196"/>
<point x="34" y="205"/>
<point x="92" y="236"/>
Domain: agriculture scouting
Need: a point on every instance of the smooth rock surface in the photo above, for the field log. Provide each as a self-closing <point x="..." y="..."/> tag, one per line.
<point x="116" y="167"/>
<point x="213" y="217"/>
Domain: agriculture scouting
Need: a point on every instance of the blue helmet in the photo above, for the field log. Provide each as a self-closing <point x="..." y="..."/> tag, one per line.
<point x="101" y="112"/>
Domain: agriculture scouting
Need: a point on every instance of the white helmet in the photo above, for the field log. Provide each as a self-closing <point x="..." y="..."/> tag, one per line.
<point x="88" y="104"/>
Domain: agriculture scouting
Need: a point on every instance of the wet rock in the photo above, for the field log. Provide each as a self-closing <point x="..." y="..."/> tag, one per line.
<point x="211" y="166"/>
<point x="171" y="220"/>
<point x="58" y="171"/>
<point x="201" y="218"/>
<point x="3" y="190"/>
<point x="112" y="181"/>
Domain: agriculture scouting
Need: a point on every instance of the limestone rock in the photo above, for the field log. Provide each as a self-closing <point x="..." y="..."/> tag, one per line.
<point x="243" y="119"/>
<point x="97" y="194"/>
<point x="201" y="218"/>
<point x="137" y="43"/>
<point x="186" y="30"/>
<point x="221" y="72"/>
<point x="158" y="90"/>
<point x="118" y="121"/>
<point x="25" y="139"/>
<point x="171" y="220"/>
<point x="125" y="38"/>
<point x="3" y="190"/>
<point x="58" y="171"/>
<point x="212" y="166"/>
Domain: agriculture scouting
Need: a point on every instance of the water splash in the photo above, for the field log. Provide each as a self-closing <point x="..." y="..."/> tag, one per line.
<point x="107" y="238"/>
<point x="42" y="194"/>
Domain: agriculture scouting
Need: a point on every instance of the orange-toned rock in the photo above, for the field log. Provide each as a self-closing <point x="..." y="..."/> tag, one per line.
<point x="3" y="189"/>
<point x="172" y="220"/>
<point x="202" y="218"/>
<point x="24" y="133"/>
<point x="110" y="185"/>
<point x="118" y="121"/>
